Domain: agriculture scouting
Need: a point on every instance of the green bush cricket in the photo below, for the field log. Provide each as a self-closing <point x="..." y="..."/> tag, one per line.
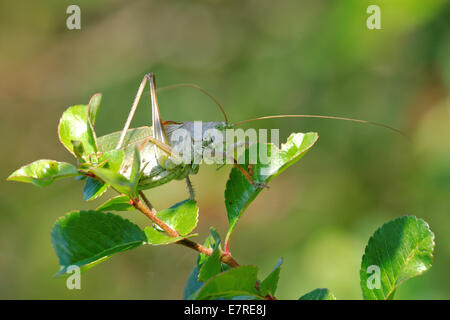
<point x="157" y="149"/>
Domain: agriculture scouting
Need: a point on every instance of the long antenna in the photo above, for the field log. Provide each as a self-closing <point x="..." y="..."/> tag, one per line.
<point x="322" y="117"/>
<point x="180" y="85"/>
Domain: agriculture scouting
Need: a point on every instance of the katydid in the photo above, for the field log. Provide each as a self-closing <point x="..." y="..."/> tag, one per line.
<point x="159" y="152"/>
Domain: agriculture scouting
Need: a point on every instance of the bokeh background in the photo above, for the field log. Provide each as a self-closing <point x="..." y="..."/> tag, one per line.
<point x="258" y="58"/>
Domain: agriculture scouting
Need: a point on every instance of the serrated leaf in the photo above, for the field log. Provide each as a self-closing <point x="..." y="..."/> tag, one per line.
<point x="119" y="203"/>
<point x="43" y="172"/>
<point x="239" y="192"/>
<point x="211" y="267"/>
<point x="318" y="294"/>
<point x="93" y="189"/>
<point x="238" y="281"/>
<point x="182" y="217"/>
<point x="270" y="283"/>
<point x="117" y="181"/>
<point x="85" y="238"/>
<point x="399" y="250"/>
<point x="94" y="107"/>
<point x="109" y="173"/>
<point x="74" y="126"/>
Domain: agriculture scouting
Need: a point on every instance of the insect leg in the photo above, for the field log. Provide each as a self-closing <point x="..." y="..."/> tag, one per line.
<point x="240" y="143"/>
<point x="247" y="145"/>
<point x="158" y="130"/>
<point x="146" y="201"/>
<point x="190" y="188"/>
<point x="250" y="169"/>
<point x="132" y="111"/>
<point x="245" y="173"/>
<point x="158" y="144"/>
<point x="164" y="149"/>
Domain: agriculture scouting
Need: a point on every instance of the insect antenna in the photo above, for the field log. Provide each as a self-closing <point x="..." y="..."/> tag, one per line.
<point x="323" y="117"/>
<point x="191" y="85"/>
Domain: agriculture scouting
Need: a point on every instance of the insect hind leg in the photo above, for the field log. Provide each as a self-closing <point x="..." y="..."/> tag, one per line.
<point x="246" y="144"/>
<point x="246" y="173"/>
<point x="158" y="129"/>
<point x="190" y="188"/>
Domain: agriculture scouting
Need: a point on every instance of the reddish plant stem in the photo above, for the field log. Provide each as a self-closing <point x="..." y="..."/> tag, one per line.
<point x="229" y="260"/>
<point x="195" y="246"/>
<point x="150" y="212"/>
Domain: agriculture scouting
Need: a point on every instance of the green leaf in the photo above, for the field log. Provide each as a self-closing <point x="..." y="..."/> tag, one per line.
<point x="93" y="189"/>
<point x="192" y="284"/>
<point x="94" y="107"/>
<point x="211" y="267"/>
<point x="155" y="237"/>
<point x="117" y="181"/>
<point x="238" y="281"/>
<point x="78" y="149"/>
<point x="318" y="294"/>
<point x="212" y="242"/>
<point x="182" y="217"/>
<point x="85" y="238"/>
<point x="110" y="172"/>
<point x="398" y="250"/>
<point x="43" y="172"/>
<point x="270" y="283"/>
<point x="119" y="203"/>
<point x="240" y="193"/>
<point x="113" y="159"/>
<point x="74" y="126"/>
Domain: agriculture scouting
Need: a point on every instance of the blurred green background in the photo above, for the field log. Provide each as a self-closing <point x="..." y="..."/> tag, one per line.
<point x="258" y="58"/>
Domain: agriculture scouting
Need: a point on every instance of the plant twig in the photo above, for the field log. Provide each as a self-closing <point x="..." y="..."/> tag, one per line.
<point x="229" y="260"/>
<point x="150" y="212"/>
<point x="195" y="246"/>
